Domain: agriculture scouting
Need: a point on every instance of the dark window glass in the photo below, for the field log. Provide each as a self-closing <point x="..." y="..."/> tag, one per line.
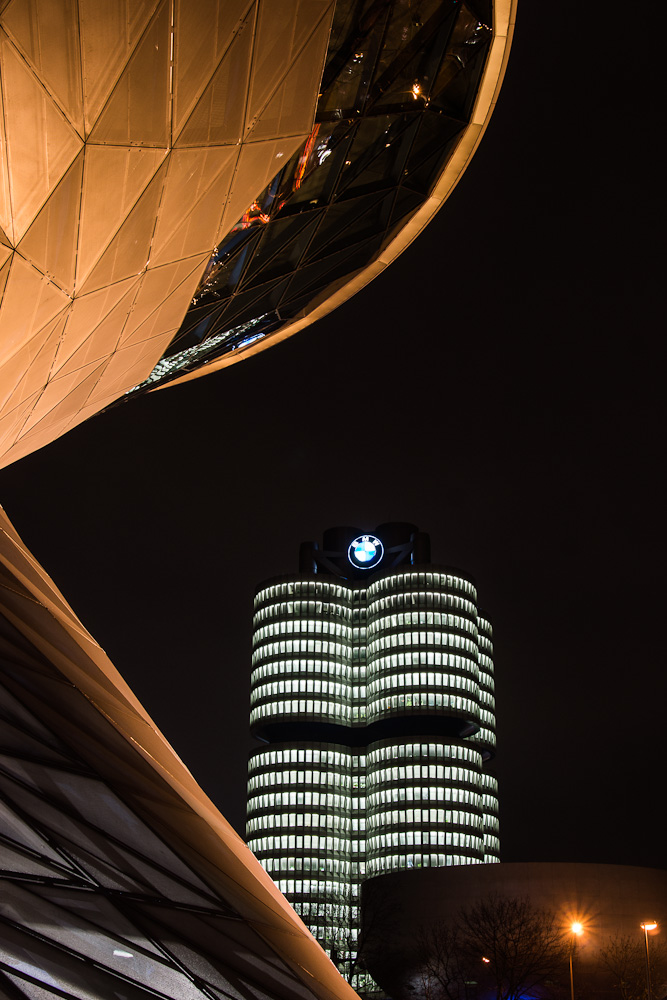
<point x="278" y="259"/>
<point x="315" y="277"/>
<point x="341" y="229"/>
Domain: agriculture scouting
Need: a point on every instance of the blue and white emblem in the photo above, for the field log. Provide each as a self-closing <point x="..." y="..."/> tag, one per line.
<point x="365" y="552"/>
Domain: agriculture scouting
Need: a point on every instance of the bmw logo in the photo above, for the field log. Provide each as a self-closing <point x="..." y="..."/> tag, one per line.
<point x="365" y="552"/>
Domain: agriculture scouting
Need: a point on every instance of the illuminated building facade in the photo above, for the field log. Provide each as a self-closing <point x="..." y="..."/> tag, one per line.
<point x="372" y="687"/>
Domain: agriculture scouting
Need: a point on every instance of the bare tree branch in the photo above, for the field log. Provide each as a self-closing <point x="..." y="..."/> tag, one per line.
<point x="623" y="956"/>
<point x="524" y="944"/>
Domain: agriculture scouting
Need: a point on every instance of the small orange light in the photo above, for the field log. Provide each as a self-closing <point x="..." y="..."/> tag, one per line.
<point x="577" y="928"/>
<point x="649" y="925"/>
<point x="487" y="960"/>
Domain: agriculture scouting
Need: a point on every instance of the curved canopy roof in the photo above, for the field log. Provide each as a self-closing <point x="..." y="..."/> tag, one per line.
<point x="200" y="187"/>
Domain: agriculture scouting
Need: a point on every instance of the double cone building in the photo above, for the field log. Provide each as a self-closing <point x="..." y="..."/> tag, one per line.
<point x="372" y="687"/>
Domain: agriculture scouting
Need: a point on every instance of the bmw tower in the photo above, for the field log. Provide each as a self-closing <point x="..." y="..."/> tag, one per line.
<point x="372" y="691"/>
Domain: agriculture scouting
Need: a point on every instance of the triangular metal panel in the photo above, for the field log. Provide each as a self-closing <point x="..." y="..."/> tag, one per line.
<point x="195" y="191"/>
<point x="28" y="988"/>
<point x="110" y="29"/>
<point x="281" y="31"/>
<point x="6" y="220"/>
<point x="14" y="712"/>
<point x="131" y="365"/>
<point x="290" y="109"/>
<point x="37" y="157"/>
<point x="51" y="241"/>
<point x="138" y="109"/>
<point x="29" y="302"/>
<point x="15" y="828"/>
<point x="76" y="385"/>
<point x="165" y="296"/>
<point x="66" y="395"/>
<point x="99" y="912"/>
<point x="31" y="366"/>
<point x="12" y="420"/>
<point x="189" y="957"/>
<point x="100" y="871"/>
<point x="70" y="926"/>
<point x="4" y="273"/>
<point x="217" y="118"/>
<point x="309" y="13"/>
<point x="94" y="325"/>
<point x="16" y="862"/>
<point x="129" y="251"/>
<point x="113" y="180"/>
<point x="16" y="740"/>
<point x="47" y="35"/>
<point x="199" y="52"/>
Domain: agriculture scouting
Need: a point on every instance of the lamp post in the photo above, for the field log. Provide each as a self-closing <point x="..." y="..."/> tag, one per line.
<point x="577" y="929"/>
<point x="646" y="926"/>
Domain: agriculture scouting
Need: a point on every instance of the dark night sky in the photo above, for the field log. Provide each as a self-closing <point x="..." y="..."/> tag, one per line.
<point x="499" y="387"/>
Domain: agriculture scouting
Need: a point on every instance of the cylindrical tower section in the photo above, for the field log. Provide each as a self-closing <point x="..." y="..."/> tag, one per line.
<point x="299" y="828"/>
<point x="302" y="659"/>
<point x="424" y="804"/>
<point x="486" y="737"/>
<point x="422" y="653"/>
<point x="489" y="786"/>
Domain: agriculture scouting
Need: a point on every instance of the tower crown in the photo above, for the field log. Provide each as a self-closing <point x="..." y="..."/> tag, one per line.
<point x="354" y="554"/>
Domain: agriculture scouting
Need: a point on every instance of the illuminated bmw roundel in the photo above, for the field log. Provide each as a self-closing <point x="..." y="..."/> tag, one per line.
<point x="365" y="552"/>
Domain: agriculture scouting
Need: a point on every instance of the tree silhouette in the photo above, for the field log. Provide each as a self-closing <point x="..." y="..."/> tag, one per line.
<point x="500" y="945"/>
<point x="624" y="958"/>
<point x="525" y="945"/>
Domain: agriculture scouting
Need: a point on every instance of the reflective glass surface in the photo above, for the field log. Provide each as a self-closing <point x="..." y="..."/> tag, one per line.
<point x="398" y="89"/>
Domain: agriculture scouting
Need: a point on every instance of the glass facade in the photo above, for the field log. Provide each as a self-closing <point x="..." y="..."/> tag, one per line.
<point x="397" y="94"/>
<point x="376" y="699"/>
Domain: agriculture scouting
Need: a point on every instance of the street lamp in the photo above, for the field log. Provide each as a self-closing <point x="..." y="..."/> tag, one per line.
<point x="577" y="930"/>
<point x="646" y="926"/>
